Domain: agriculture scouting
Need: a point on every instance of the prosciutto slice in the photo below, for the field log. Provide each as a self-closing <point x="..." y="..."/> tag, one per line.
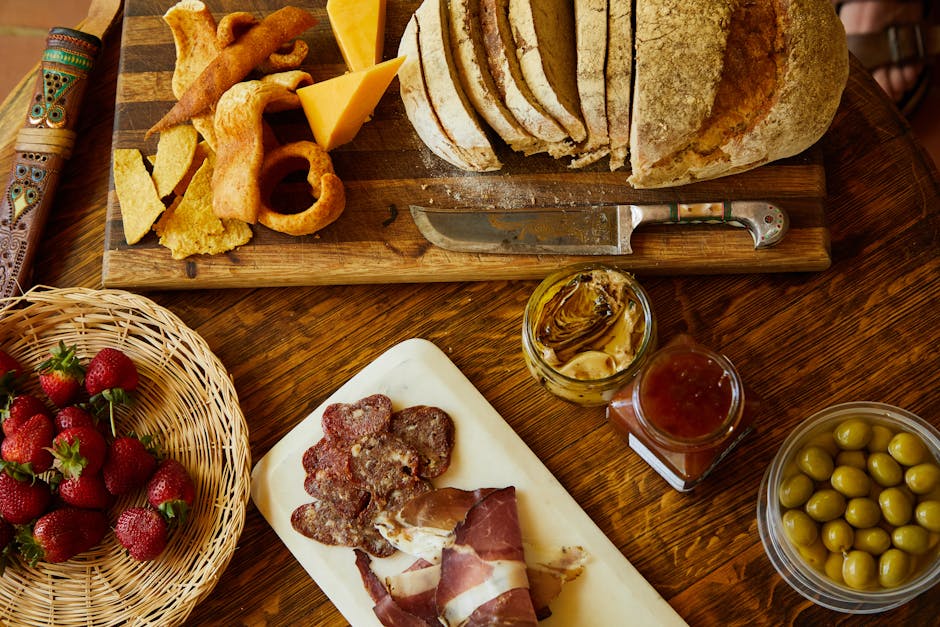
<point x="483" y="574"/>
<point x="386" y="609"/>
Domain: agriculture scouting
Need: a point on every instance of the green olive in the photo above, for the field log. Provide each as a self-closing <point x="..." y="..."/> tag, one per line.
<point x="833" y="566"/>
<point x="826" y="441"/>
<point x="859" y="570"/>
<point x="894" y="567"/>
<point x="799" y="527"/>
<point x="815" y="554"/>
<point x="862" y="512"/>
<point x="907" y="449"/>
<point x="896" y="506"/>
<point x="796" y="490"/>
<point x="880" y="436"/>
<point x="815" y="462"/>
<point x="922" y="478"/>
<point x="911" y="538"/>
<point x="927" y="515"/>
<point x="825" y="505"/>
<point x="850" y="481"/>
<point x="856" y="459"/>
<point x="853" y="434"/>
<point x="884" y="469"/>
<point x="874" y="540"/>
<point x="838" y="535"/>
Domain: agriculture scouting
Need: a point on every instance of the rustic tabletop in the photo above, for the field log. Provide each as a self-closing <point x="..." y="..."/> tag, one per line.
<point x="866" y="328"/>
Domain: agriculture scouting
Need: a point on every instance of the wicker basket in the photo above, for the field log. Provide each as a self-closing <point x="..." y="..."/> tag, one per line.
<point x="186" y="396"/>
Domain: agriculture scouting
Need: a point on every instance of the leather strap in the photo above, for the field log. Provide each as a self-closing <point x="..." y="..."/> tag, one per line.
<point x="898" y="44"/>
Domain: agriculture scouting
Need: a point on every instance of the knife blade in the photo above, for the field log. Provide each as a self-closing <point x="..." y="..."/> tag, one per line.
<point x="593" y="230"/>
<point x="44" y="144"/>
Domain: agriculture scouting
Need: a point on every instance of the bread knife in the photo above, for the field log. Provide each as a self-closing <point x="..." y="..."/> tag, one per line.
<point x="44" y="144"/>
<point x="594" y="230"/>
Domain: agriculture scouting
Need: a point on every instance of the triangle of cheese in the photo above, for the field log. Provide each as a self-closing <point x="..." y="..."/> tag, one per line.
<point x="337" y="108"/>
<point x="359" y="29"/>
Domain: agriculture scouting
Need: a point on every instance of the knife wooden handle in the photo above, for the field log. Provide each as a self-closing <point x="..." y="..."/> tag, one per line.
<point x="42" y="147"/>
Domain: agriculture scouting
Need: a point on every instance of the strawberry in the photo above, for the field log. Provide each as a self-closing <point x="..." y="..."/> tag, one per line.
<point x="62" y="534"/>
<point x="61" y="375"/>
<point x="142" y="531"/>
<point x="110" y="378"/>
<point x="73" y="416"/>
<point x="22" y="501"/>
<point x="79" y="450"/>
<point x="87" y="491"/>
<point x="19" y="409"/>
<point x="129" y="464"/>
<point x="28" y="446"/>
<point x="10" y="373"/>
<point x="171" y="491"/>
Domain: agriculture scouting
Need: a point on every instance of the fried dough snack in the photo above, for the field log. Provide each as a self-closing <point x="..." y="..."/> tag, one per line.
<point x="234" y="62"/>
<point x="240" y="141"/>
<point x="325" y="186"/>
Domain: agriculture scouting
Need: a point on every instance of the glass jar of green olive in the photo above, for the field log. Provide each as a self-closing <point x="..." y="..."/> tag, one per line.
<point x="849" y="509"/>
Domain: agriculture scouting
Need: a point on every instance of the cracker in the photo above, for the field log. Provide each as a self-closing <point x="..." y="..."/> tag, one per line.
<point x="140" y="203"/>
<point x="175" y="152"/>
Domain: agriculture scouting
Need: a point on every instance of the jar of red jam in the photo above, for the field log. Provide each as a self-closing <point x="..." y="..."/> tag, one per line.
<point x="683" y="412"/>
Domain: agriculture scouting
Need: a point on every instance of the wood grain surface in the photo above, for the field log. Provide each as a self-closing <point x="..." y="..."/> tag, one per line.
<point x="867" y="328"/>
<point x="387" y="168"/>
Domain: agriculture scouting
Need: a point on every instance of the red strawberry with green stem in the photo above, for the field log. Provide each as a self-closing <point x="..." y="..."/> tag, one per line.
<point x="73" y="416"/>
<point x="79" y="450"/>
<point x="22" y="500"/>
<point x="87" y="491"/>
<point x="28" y="446"/>
<point x="110" y="378"/>
<point x="130" y="463"/>
<point x="61" y="375"/>
<point x="62" y="534"/>
<point x="171" y="491"/>
<point x="19" y="409"/>
<point x="142" y="531"/>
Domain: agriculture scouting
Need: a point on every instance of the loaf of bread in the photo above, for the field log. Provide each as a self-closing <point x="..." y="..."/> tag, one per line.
<point x="689" y="90"/>
<point x="724" y="86"/>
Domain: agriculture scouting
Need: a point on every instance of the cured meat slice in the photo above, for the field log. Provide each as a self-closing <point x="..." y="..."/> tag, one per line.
<point x="431" y="432"/>
<point x="383" y="463"/>
<point x="425" y="525"/>
<point x="386" y="609"/>
<point x="483" y="575"/>
<point x="322" y="521"/>
<point x="329" y="477"/>
<point x="415" y="590"/>
<point x="350" y="421"/>
<point x="326" y="455"/>
<point x="548" y="573"/>
<point x="372" y="540"/>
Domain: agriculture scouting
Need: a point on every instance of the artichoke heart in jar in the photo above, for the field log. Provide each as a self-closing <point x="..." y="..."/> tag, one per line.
<point x="585" y="331"/>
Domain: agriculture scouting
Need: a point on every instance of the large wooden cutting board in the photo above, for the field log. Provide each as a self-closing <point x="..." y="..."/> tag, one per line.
<point x="387" y="168"/>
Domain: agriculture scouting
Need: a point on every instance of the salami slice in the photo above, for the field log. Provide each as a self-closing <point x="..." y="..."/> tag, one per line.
<point x="350" y="421"/>
<point x="383" y="463"/>
<point x="430" y="430"/>
<point x="373" y="541"/>
<point x="327" y="455"/>
<point x="320" y="520"/>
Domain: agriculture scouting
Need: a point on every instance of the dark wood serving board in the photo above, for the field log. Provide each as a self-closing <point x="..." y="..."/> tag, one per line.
<point x="387" y="168"/>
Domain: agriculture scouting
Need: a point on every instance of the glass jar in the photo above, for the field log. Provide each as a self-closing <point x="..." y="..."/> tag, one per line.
<point x="585" y="332"/>
<point x="683" y="412"/>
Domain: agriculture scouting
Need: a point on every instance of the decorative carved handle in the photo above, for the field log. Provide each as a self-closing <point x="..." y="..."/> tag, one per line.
<point x="42" y="147"/>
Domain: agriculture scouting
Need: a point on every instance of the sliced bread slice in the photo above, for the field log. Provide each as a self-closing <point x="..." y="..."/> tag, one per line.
<point x="507" y="75"/>
<point x="451" y="105"/>
<point x="618" y="75"/>
<point x="543" y="31"/>
<point x="590" y="18"/>
<point x="474" y="72"/>
<point x="414" y="96"/>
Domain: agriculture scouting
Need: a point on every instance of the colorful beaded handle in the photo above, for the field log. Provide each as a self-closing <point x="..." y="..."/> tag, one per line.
<point x="42" y="147"/>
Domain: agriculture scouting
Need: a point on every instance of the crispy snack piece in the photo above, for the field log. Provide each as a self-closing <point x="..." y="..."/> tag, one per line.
<point x="325" y="186"/>
<point x="140" y="204"/>
<point x="188" y="227"/>
<point x="176" y="150"/>
<point x="240" y="144"/>
<point x="232" y="26"/>
<point x="235" y="61"/>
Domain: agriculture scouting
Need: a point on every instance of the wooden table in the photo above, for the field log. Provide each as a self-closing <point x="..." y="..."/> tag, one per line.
<point x="868" y="328"/>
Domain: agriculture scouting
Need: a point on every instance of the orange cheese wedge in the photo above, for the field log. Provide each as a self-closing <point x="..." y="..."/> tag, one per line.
<point x="338" y="107"/>
<point x="359" y="29"/>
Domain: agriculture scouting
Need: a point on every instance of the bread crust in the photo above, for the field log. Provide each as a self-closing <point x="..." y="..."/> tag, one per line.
<point x="618" y="75"/>
<point x="757" y="82"/>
